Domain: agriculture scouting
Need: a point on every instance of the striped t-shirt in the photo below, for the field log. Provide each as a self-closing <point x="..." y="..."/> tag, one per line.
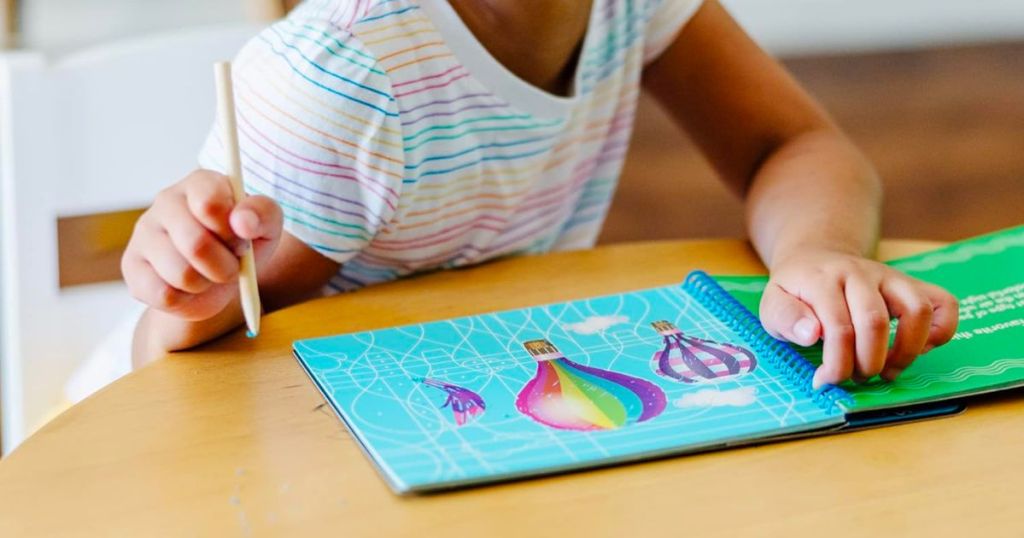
<point x="394" y="142"/>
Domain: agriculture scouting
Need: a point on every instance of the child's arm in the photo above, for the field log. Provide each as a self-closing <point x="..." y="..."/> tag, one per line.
<point x="180" y="261"/>
<point x="813" y="203"/>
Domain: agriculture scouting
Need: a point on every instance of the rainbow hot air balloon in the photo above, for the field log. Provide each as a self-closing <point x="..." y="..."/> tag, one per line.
<point x="466" y="405"/>
<point x="688" y="359"/>
<point x="570" y="396"/>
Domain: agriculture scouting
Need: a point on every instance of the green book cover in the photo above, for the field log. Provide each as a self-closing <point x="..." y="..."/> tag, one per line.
<point x="986" y="274"/>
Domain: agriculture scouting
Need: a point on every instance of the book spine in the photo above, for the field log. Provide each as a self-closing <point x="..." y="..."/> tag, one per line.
<point x="797" y="370"/>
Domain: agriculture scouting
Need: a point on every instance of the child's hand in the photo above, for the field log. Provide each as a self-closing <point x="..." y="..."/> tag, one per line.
<point x="847" y="301"/>
<point x="183" y="257"/>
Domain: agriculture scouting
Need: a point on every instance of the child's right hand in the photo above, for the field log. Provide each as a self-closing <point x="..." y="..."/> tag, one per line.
<point x="183" y="256"/>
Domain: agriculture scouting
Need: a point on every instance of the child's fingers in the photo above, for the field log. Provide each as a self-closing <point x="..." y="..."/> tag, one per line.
<point x="914" y="311"/>
<point x="171" y="266"/>
<point x="870" y="318"/>
<point x="945" y="315"/>
<point x="210" y="201"/>
<point x="204" y="251"/>
<point x="829" y="304"/>
<point x="785" y="316"/>
<point x="146" y="286"/>
<point x="257" y="217"/>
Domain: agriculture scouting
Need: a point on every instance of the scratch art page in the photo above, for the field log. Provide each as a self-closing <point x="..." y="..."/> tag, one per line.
<point x="565" y="386"/>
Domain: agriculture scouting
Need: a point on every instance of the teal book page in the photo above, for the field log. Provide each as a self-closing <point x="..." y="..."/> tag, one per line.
<point x="554" y="388"/>
<point x="986" y="274"/>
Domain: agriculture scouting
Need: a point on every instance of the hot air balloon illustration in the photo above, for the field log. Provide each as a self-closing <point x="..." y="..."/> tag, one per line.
<point x="568" y="396"/>
<point x="689" y="359"/>
<point x="466" y="405"/>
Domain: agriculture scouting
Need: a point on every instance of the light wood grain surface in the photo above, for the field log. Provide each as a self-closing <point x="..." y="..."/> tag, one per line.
<point x="234" y="440"/>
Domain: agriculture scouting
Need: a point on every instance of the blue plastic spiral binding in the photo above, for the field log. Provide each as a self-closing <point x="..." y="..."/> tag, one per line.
<point x="780" y="354"/>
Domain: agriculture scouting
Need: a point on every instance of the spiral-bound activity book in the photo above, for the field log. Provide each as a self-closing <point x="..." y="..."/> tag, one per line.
<point x="986" y="274"/>
<point x="612" y="379"/>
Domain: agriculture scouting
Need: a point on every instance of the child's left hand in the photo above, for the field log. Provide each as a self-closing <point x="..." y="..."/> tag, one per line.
<point x="847" y="301"/>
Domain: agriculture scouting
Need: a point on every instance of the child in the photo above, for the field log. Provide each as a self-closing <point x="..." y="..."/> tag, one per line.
<point x="385" y="137"/>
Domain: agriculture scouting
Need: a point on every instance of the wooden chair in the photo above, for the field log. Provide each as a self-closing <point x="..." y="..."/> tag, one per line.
<point x="9" y="19"/>
<point x="85" y="140"/>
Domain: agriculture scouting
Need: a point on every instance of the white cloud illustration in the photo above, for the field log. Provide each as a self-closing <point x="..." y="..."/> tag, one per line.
<point x="740" y="397"/>
<point x="594" y="324"/>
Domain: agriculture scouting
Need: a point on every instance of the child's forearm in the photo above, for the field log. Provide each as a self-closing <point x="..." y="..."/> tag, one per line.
<point x="813" y="203"/>
<point x="159" y="333"/>
<point x="814" y="191"/>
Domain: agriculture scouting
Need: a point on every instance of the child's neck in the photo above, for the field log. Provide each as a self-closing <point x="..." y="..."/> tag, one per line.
<point x="538" y="40"/>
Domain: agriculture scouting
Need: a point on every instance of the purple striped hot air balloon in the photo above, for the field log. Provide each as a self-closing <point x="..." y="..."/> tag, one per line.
<point x="688" y="359"/>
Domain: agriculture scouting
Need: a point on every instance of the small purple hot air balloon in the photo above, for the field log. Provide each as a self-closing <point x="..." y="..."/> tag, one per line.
<point x="688" y="359"/>
<point x="465" y="404"/>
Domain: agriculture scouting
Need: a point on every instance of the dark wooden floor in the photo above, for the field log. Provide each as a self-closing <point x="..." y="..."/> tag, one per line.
<point x="944" y="127"/>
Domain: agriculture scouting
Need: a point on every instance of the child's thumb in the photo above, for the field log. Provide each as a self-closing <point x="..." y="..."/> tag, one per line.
<point x="256" y="217"/>
<point x="785" y="316"/>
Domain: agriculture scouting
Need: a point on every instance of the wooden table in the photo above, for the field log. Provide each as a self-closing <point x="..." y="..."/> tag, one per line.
<point x="234" y="440"/>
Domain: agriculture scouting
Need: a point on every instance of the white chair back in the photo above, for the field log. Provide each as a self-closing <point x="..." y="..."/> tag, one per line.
<point x="95" y="131"/>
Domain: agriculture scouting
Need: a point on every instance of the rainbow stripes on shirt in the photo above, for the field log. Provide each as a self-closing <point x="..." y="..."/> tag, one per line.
<point x="395" y="143"/>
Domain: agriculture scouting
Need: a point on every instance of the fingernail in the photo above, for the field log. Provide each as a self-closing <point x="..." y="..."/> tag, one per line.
<point x="816" y="381"/>
<point x="248" y="218"/>
<point x="891" y="373"/>
<point x="804" y="329"/>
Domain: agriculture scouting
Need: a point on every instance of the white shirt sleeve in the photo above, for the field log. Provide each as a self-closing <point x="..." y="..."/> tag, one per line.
<point x="665" y="18"/>
<point x="318" y="132"/>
